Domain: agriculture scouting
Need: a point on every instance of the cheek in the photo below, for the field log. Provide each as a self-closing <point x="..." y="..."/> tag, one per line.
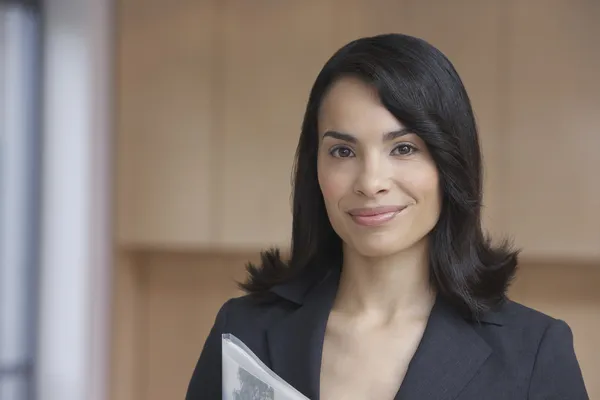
<point x="330" y="187"/>
<point x="333" y="184"/>
<point x="424" y="185"/>
<point x="429" y="187"/>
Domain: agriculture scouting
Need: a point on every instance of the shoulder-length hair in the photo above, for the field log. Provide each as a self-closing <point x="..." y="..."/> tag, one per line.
<point x="421" y="88"/>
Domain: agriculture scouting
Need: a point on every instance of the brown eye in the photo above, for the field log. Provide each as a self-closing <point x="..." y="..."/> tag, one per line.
<point x="404" y="149"/>
<point x="341" y="152"/>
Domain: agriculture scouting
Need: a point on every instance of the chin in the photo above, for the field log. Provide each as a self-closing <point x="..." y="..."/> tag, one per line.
<point x="376" y="247"/>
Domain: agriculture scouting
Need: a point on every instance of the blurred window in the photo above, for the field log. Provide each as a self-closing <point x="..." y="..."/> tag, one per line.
<point x="19" y="194"/>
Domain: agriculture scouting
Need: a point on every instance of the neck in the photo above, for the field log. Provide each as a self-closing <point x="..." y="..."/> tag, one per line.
<point x="387" y="287"/>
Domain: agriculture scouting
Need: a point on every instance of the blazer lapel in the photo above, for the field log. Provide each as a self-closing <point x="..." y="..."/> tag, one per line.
<point x="449" y="355"/>
<point x="296" y="343"/>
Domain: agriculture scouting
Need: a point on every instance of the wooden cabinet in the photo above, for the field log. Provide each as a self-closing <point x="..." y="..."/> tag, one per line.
<point x="551" y="141"/>
<point x="165" y="123"/>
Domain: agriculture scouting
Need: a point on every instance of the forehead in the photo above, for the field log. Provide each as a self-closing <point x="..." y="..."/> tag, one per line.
<point x="353" y="106"/>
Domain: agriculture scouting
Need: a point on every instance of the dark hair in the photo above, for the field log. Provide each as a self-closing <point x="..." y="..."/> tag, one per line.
<point x="421" y="88"/>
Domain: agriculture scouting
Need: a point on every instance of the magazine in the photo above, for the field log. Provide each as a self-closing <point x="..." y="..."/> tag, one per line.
<point x="246" y="377"/>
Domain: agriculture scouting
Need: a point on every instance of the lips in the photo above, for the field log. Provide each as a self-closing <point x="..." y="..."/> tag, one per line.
<point x="373" y="216"/>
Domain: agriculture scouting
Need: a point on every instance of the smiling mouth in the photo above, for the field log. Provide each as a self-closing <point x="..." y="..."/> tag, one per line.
<point x="375" y="216"/>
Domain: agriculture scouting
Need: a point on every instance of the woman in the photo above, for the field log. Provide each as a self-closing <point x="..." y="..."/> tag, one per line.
<point x="392" y="290"/>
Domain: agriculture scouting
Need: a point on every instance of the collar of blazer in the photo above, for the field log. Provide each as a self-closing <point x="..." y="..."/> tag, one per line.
<point x="300" y="289"/>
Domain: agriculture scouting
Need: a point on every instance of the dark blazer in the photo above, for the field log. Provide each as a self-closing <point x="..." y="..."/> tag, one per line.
<point x="510" y="354"/>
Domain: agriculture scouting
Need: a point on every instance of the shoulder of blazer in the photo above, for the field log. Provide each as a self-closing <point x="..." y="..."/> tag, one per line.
<point x="516" y="314"/>
<point x="260" y="310"/>
<point x="278" y="302"/>
<point x="521" y="330"/>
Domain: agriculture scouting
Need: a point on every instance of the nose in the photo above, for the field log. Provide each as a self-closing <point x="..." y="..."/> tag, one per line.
<point x="374" y="178"/>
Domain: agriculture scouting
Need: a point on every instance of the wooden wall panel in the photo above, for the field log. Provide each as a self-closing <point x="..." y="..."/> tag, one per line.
<point x="551" y="145"/>
<point x="182" y="296"/>
<point x="128" y="296"/>
<point x="165" y="123"/>
<point x="359" y="18"/>
<point x="271" y="53"/>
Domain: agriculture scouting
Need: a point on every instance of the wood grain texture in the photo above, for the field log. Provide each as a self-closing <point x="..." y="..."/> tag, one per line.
<point x="165" y="123"/>
<point x="551" y="162"/>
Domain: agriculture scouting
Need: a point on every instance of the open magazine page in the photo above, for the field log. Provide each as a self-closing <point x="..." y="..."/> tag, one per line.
<point x="246" y="377"/>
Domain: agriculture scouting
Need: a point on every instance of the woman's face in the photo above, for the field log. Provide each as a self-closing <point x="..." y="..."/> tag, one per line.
<point x="379" y="182"/>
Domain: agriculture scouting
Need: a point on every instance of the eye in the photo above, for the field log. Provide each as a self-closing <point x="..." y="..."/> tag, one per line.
<point x="341" y="152"/>
<point x="404" y="149"/>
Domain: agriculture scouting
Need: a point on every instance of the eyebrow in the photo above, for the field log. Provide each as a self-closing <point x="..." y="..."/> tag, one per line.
<point x="346" y="137"/>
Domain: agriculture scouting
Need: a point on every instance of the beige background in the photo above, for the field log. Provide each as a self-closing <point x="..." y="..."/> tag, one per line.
<point x="210" y="102"/>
